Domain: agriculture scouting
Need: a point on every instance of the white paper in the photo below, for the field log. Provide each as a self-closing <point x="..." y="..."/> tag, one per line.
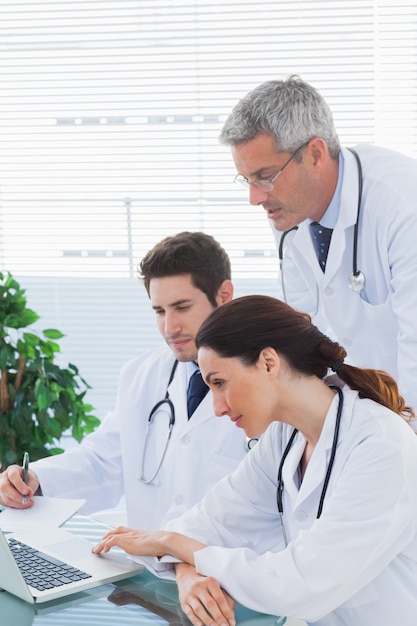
<point x="45" y="512"/>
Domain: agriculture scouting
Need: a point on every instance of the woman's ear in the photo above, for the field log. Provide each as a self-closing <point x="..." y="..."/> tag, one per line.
<point x="269" y="359"/>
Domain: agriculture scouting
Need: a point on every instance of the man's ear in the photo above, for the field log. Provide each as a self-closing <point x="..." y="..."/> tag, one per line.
<point x="225" y="292"/>
<point x="319" y="151"/>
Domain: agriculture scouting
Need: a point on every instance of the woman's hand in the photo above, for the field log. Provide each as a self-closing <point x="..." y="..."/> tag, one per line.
<point x="202" y="599"/>
<point x="150" y="543"/>
<point x="137" y="542"/>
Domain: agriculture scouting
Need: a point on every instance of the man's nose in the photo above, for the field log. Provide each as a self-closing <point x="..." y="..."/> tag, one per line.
<point x="257" y="196"/>
<point x="172" y="324"/>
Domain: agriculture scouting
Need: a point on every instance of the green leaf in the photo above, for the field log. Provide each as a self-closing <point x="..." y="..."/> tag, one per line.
<point x="11" y="283"/>
<point x="51" y="333"/>
<point x="7" y="356"/>
<point x="49" y="400"/>
<point x="31" y="339"/>
<point x="49" y="348"/>
<point x="55" y="451"/>
<point x="25" y="318"/>
<point x="54" y="428"/>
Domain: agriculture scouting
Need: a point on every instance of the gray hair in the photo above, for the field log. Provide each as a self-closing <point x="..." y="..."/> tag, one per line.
<point x="291" y="111"/>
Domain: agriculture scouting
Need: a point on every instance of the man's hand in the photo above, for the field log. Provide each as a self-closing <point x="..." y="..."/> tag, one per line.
<point x="202" y="599"/>
<point x="13" y="487"/>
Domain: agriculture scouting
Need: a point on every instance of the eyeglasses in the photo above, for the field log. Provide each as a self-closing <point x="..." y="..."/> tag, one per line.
<point x="266" y="184"/>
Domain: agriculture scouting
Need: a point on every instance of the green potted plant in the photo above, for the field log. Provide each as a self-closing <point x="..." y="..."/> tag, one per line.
<point x="39" y="399"/>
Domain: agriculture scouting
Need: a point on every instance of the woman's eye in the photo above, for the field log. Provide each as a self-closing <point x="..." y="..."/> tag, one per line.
<point x="218" y="383"/>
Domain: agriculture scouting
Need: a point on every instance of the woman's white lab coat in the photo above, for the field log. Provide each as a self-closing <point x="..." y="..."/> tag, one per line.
<point x="357" y="564"/>
<point x="107" y="463"/>
<point x="379" y="331"/>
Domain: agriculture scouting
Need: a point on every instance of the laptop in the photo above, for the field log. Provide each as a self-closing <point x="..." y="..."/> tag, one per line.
<point x="54" y="563"/>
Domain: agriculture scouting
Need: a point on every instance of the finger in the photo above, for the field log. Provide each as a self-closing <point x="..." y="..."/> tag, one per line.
<point x="117" y="537"/>
<point x="15" y="476"/>
<point x="209" y="611"/>
<point x="229" y="600"/>
<point x="15" y="500"/>
<point x="225" y="602"/>
<point x="197" y="614"/>
<point x="13" y="488"/>
<point x="219" y="609"/>
<point x="116" y="531"/>
<point x="104" y="545"/>
<point x="121" y="530"/>
<point x="100" y="545"/>
<point x="217" y="602"/>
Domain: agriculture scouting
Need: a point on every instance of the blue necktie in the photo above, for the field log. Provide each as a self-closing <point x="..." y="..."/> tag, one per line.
<point x="197" y="389"/>
<point x="321" y="238"/>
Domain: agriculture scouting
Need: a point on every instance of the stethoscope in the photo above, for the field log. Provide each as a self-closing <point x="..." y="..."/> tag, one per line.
<point x="280" y="482"/>
<point x="171" y="413"/>
<point x="356" y="280"/>
<point x="249" y="444"/>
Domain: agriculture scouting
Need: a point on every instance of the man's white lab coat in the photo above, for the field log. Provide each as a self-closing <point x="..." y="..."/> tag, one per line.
<point x="105" y="466"/>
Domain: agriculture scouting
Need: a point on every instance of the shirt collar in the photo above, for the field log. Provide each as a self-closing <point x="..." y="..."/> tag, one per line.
<point x="331" y="214"/>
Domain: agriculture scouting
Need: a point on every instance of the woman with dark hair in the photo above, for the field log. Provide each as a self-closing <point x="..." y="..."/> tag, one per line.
<point x="319" y="521"/>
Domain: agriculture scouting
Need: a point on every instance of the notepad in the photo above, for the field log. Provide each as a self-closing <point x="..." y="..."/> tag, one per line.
<point x="46" y="511"/>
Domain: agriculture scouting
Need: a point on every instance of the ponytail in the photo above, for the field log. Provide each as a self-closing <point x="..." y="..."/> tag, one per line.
<point x="376" y="385"/>
<point x="244" y="326"/>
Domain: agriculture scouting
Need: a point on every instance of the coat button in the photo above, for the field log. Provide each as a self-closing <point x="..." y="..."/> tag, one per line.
<point x="185" y="440"/>
<point x="301" y="516"/>
<point x="178" y="500"/>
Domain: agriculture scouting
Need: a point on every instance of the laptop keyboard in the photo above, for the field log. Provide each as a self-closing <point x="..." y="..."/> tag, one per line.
<point x="41" y="570"/>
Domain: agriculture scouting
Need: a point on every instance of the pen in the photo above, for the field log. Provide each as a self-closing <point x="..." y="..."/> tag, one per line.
<point x="25" y="472"/>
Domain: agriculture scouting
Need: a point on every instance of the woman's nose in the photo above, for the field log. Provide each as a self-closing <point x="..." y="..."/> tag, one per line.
<point x="220" y="406"/>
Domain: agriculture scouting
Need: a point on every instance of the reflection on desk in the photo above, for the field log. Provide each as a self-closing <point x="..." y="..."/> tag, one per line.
<point x="140" y="600"/>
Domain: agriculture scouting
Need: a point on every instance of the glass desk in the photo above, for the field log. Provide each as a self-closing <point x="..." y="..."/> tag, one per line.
<point x="140" y="600"/>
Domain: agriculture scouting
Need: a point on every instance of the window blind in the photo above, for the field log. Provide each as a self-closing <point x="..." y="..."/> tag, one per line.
<point x="109" y="118"/>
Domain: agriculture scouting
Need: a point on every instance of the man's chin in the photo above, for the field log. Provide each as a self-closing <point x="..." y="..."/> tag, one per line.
<point x="185" y="357"/>
<point x="275" y="224"/>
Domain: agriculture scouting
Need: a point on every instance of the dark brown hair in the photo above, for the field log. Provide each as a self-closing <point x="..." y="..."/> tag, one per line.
<point x="245" y="326"/>
<point x="193" y="253"/>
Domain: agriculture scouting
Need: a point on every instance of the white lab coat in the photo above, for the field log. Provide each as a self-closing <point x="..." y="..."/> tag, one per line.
<point x="357" y="564"/>
<point x="106" y="464"/>
<point x="382" y="331"/>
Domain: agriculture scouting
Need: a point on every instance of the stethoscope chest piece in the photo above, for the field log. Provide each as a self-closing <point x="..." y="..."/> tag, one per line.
<point x="357" y="282"/>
